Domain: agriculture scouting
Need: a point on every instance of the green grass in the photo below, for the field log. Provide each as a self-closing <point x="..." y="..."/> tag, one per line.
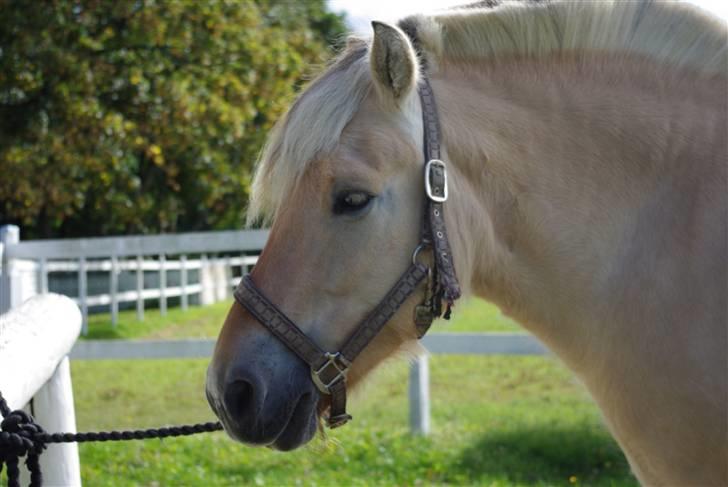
<point x="474" y="315"/>
<point x="517" y="421"/>
<point x="500" y="421"/>
<point x="196" y="322"/>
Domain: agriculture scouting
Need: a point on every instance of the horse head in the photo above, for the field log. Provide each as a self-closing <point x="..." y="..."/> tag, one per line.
<point x="341" y="180"/>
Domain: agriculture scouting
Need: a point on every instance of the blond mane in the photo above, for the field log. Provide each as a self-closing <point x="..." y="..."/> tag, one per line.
<point x="675" y="34"/>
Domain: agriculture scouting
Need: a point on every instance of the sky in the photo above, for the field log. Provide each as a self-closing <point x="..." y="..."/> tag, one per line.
<point x="361" y="12"/>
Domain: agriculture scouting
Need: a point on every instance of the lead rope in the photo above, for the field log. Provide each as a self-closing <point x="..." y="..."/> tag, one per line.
<point x="21" y="436"/>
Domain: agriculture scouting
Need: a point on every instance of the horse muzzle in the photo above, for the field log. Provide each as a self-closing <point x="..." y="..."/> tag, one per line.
<point x="263" y="395"/>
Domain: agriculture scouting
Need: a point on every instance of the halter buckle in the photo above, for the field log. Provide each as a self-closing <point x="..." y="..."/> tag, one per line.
<point x="436" y="193"/>
<point x="333" y="370"/>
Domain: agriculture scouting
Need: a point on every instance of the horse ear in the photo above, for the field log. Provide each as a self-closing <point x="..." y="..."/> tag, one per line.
<point x="393" y="61"/>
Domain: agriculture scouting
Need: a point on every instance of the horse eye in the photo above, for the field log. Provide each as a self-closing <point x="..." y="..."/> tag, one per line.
<point x="351" y="201"/>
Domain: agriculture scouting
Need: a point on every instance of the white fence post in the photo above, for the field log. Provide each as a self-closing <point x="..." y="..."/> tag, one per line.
<point x="183" y="281"/>
<point x="36" y="338"/>
<point x="162" y="284"/>
<point x="228" y="272"/>
<point x="19" y="280"/>
<point x="43" y="275"/>
<point x="83" y="294"/>
<point x="207" y="281"/>
<point x="221" y="279"/>
<point x="140" y="288"/>
<point x="53" y="408"/>
<point x="9" y="234"/>
<point x="419" y="396"/>
<point x="114" y="289"/>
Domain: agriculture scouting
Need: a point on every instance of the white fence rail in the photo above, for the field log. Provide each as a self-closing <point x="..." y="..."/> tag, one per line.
<point x="35" y="339"/>
<point x="26" y="265"/>
<point x="419" y="390"/>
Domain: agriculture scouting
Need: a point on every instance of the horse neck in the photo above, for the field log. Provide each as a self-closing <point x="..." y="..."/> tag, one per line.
<point x="549" y="167"/>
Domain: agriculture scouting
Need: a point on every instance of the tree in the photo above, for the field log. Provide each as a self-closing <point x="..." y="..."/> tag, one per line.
<point x="141" y="115"/>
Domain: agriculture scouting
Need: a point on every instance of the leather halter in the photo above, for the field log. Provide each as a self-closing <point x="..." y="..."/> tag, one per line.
<point x="328" y="370"/>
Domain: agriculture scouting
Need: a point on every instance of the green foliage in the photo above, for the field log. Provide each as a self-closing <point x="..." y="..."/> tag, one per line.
<point x="143" y="115"/>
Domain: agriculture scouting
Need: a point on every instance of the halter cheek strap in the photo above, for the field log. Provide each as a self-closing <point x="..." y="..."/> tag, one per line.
<point x="436" y="189"/>
<point x="329" y="370"/>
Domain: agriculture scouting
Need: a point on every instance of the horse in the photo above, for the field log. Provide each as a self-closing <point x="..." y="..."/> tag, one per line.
<point x="585" y="145"/>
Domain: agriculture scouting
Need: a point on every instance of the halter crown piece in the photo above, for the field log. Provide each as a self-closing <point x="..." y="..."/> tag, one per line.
<point x="329" y="369"/>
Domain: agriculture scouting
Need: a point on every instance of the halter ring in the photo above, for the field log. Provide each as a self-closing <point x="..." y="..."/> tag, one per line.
<point x="418" y="249"/>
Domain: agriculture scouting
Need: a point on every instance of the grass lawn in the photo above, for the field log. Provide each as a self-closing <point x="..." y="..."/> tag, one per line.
<point x="513" y="421"/>
<point x="198" y="322"/>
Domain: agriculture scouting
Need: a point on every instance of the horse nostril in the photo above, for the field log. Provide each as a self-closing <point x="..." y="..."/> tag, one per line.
<point x="239" y="399"/>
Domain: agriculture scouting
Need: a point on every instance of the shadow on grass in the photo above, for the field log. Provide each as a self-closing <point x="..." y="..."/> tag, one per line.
<point x="546" y="455"/>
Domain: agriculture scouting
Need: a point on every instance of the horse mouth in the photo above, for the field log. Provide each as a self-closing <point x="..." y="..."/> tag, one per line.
<point x="291" y="428"/>
<point x="301" y="426"/>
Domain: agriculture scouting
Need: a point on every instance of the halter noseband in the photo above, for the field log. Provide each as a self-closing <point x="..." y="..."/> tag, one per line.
<point x="328" y="370"/>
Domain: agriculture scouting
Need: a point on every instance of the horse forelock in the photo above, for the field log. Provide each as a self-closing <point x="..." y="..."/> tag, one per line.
<point x="310" y="130"/>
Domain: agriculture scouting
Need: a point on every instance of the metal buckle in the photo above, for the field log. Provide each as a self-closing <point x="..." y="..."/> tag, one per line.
<point x="340" y="365"/>
<point x="428" y="186"/>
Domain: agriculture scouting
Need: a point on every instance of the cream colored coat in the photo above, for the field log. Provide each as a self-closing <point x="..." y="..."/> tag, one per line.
<point x="586" y="145"/>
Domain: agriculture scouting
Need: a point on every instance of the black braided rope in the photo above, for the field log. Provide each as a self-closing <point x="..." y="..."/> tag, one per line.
<point x="21" y="436"/>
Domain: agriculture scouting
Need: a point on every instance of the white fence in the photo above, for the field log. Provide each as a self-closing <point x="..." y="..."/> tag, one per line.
<point x="35" y="339"/>
<point x="419" y="390"/>
<point x="26" y="265"/>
